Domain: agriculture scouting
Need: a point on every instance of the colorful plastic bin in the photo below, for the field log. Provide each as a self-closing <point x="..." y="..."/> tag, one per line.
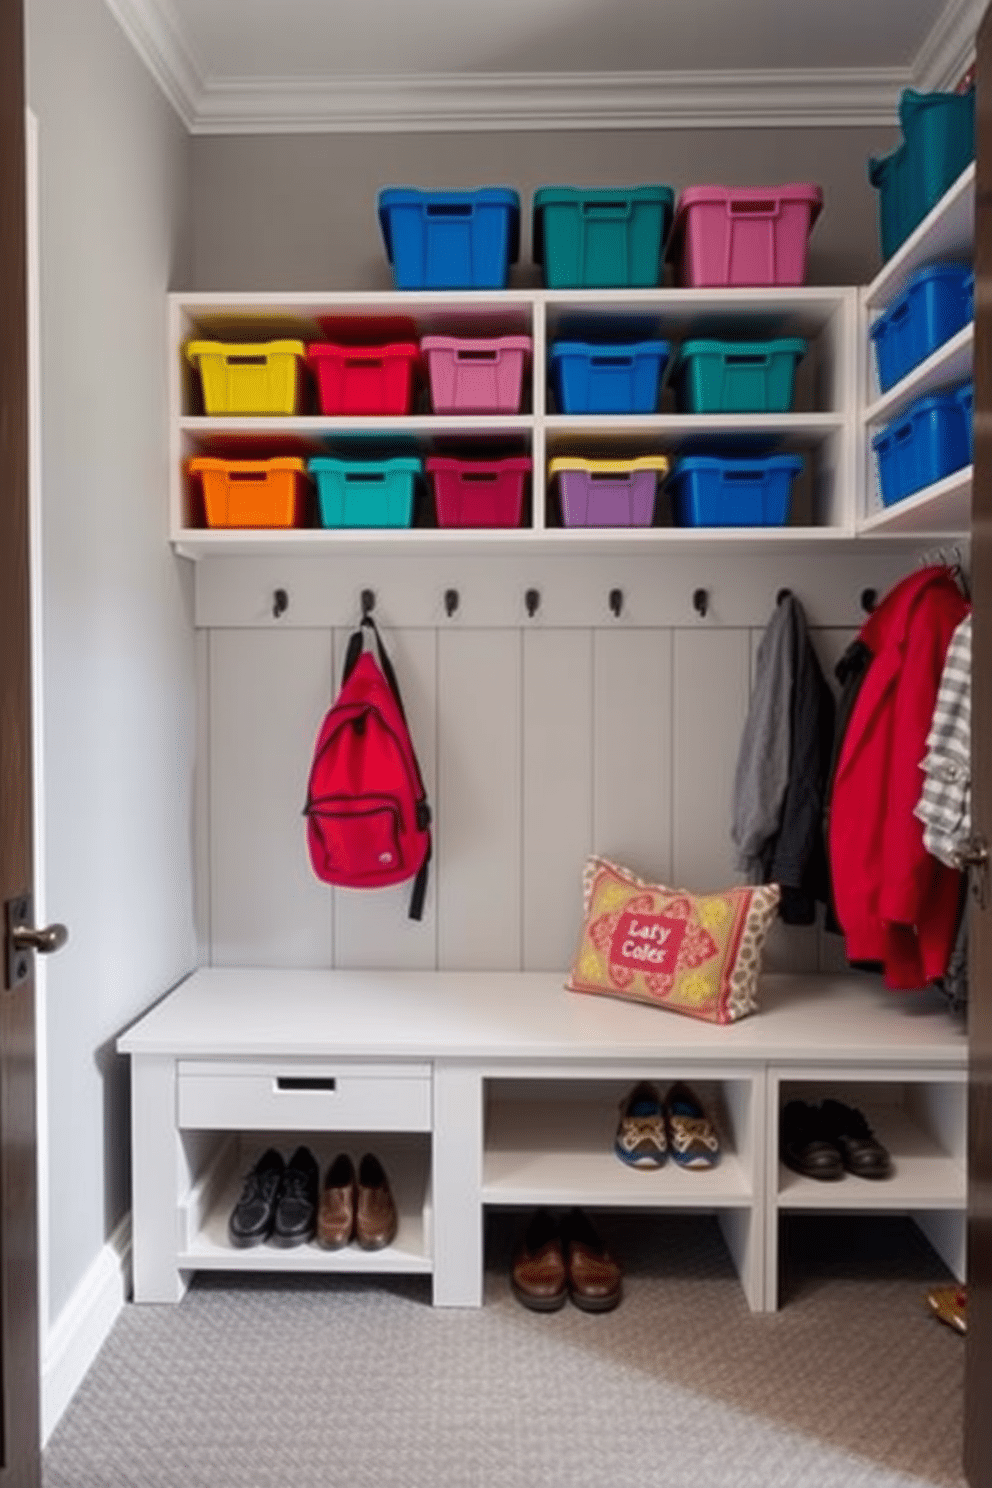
<point x="364" y="379"/>
<point x="601" y="238"/>
<point x="450" y="239"/>
<point x="607" y="493"/>
<point x="931" y="309"/>
<point x="926" y="443"/>
<point x="365" y="493"/>
<point x="709" y="491"/>
<point x="965" y="395"/>
<point x="620" y="378"/>
<point x="478" y="493"/>
<point x="240" y="377"/>
<point x="736" y="376"/>
<point x="744" y="235"/>
<point x="476" y="375"/>
<point x="251" y="493"/>
<point x="938" y="144"/>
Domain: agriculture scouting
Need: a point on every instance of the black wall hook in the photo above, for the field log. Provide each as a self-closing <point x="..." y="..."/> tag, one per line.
<point x="700" y="601"/>
<point x="616" y="602"/>
<point x="783" y="594"/>
<point x="532" y="599"/>
<point x="869" y="599"/>
<point x="451" y="602"/>
<point x="368" y="602"/>
<point x="280" y="603"/>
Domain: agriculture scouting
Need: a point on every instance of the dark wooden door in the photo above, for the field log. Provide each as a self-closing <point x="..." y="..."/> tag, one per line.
<point x="19" y="1385"/>
<point x="978" y="1345"/>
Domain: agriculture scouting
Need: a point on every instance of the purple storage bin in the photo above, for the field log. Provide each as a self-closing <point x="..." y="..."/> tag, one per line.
<point x="608" y="493"/>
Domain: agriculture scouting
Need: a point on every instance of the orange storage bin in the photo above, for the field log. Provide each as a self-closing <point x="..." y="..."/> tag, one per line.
<point x="252" y="493"/>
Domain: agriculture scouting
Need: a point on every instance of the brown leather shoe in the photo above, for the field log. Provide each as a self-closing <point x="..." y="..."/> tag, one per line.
<point x="376" y="1221"/>
<point x="538" y="1276"/>
<point x="336" y="1215"/>
<point x="595" y="1281"/>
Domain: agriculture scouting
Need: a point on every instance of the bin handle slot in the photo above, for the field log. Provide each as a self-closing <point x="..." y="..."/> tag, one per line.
<point x="904" y="432"/>
<point x="606" y="209"/>
<point x="611" y="361"/>
<point x="479" y="477"/>
<point x="246" y="361"/>
<point x="247" y="475"/>
<point x="367" y="477"/>
<point x="899" y="312"/>
<point x="747" y="476"/>
<point x="449" y="209"/>
<point x="364" y="361"/>
<point x="468" y="355"/>
<point x="769" y="208"/>
<point x="745" y="359"/>
<point x="306" y="1082"/>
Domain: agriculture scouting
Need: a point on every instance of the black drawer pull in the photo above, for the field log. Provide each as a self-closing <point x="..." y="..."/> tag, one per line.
<point x="306" y="1082"/>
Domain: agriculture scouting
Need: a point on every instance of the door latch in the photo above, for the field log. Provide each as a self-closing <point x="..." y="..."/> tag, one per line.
<point x="22" y="937"/>
<point x="975" y="858"/>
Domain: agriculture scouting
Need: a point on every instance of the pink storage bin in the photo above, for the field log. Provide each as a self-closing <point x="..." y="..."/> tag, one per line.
<point x="743" y="235"/>
<point x="478" y="493"/>
<point x="476" y="376"/>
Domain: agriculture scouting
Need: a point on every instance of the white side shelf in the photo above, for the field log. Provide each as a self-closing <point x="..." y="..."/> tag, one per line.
<point x="948" y="231"/>
<point x="941" y="510"/>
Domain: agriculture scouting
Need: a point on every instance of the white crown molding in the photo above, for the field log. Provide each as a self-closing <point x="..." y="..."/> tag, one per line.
<point x="949" y="50"/>
<point x="156" y="35"/>
<point x="515" y="101"/>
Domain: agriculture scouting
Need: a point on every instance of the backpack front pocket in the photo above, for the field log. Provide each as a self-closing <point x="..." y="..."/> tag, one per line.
<point x="359" y="838"/>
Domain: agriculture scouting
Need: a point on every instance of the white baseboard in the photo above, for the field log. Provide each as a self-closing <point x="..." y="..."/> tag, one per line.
<point x="79" y="1332"/>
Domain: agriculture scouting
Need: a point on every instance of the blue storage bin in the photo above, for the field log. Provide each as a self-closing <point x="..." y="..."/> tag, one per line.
<point x="966" y="397"/>
<point x="450" y="239"/>
<point x="931" y="309"/>
<point x="365" y="493"/>
<point x="708" y="491"/>
<point x="969" y="292"/>
<point x="621" y="378"/>
<point x="922" y="446"/>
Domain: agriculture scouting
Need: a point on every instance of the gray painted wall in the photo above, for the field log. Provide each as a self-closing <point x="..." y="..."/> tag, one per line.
<point x="117" y="643"/>
<point x="298" y="211"/>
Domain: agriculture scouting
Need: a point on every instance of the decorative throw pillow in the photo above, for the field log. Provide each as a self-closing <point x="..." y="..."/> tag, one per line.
<point x="698" y="954"/>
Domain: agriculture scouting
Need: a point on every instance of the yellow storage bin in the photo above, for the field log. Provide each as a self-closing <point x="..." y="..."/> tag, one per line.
<point x="251" y="493"/>
<point x="608" y="493"/>
<point x="250" y="376"/>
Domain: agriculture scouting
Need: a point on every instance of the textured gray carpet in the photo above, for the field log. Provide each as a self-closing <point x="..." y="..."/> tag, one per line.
<point x="357" y="1381"/>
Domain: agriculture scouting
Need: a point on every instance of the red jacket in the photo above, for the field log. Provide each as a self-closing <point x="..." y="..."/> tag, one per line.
<point x="895" y="903"/>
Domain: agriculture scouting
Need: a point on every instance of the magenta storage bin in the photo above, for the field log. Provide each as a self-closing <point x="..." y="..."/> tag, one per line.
<point x="478" y="493"/>
<point x="743" y="235"/>
<point x="476" y="375"/>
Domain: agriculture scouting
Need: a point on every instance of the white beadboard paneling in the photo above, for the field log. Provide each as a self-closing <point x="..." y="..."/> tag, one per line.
<point x="477" y="821"/>
<point x="201" y="800"/>
<point x="269" y="692"/>
<point x="632" y="749"/>
<point x="557" y="791"/>
<point x="709" y="700"/>
<point x="372" y="927"/>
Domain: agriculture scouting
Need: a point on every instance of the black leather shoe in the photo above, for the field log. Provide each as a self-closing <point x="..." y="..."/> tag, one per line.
<point x="860" y="1150"/>
<point x="295" y="1219"/>
<point x="253" y="1215"/>
<point x="806" y="1144"/>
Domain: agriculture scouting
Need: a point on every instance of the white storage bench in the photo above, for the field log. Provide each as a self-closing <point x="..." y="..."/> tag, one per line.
<point x="483" y="1089"/>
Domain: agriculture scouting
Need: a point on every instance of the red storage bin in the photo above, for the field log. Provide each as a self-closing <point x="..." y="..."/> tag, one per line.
<point x="743" y="235"/>
<point x="364" y="379"/>
<point x="478" y="493"/>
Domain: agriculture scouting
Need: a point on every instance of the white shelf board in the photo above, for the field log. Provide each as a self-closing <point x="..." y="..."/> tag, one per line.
<point x="947" y="231"/>
<point x="923" y="1176"/>
<point x="940" y="509"/>
<point x="815" y="425"/>
<point x="561" y="1153"/>
<point x="948" y="366"/>
<point x="314" y="426"/>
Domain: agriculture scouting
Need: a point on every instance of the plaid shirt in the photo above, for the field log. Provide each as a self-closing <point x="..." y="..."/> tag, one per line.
<point x="945" y="806"/>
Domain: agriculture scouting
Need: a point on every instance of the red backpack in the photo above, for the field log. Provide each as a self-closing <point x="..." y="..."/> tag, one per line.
<point x="368" y="821"/>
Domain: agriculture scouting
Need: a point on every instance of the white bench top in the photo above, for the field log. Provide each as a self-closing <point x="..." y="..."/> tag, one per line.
<point x="492" y="1017"/>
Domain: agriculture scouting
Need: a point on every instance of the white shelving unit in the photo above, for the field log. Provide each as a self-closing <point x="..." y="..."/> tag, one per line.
<point x="943" y="509"/>
<point x="823" y="428"/>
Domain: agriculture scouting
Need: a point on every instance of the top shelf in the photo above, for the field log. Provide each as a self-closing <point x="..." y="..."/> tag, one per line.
<point x="948" y="231"/>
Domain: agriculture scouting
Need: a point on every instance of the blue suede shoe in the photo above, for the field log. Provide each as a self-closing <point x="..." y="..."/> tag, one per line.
<point x="641" y="1140"/>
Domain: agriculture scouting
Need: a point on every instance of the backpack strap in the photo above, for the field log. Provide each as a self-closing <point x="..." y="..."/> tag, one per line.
<point x="356" y="646"/>
<point x="419" y="889"/>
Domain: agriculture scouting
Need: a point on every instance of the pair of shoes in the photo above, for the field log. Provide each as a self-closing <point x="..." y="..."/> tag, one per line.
<point x="650" y="1128"/>
<point x="278" y="1201"/>
<point x="950" y="1304"/>
<point x="359" y="1208"/>
<point x="827" y="1140"/>
<point x="557" y="1261"/>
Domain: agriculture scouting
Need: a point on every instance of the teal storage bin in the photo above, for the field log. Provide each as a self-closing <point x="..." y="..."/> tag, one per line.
<point x="736" y="376"/>
<point x="589" y="238"/>
<point x="365" y="493"/>
<point x="938" y="144"/>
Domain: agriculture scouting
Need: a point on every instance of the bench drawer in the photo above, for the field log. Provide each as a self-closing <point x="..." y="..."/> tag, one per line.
<point x="287" y="1097"/>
